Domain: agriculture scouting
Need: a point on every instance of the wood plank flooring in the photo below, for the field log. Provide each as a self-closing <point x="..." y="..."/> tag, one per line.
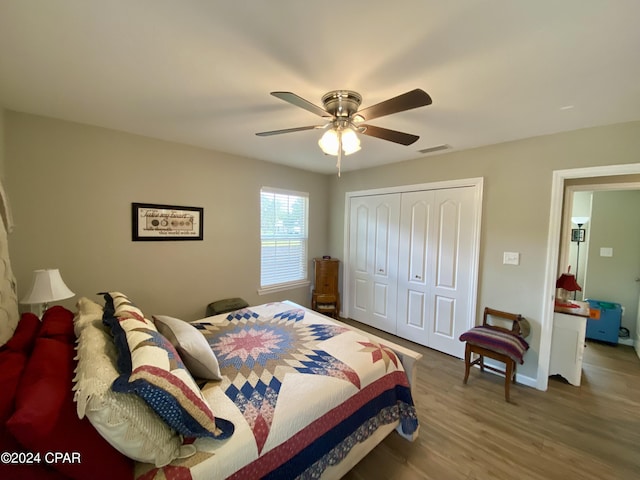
<point x="469" y="432"/>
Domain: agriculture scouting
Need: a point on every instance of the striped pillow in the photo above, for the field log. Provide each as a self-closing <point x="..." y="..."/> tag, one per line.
<point x="151" y="368"/>
<point x="514" y="346"/>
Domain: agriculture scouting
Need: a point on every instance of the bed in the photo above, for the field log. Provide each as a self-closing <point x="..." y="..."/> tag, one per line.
<point x="269" y="391"/>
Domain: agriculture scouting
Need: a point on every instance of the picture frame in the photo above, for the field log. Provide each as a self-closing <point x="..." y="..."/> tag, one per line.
<point x="577" y="235"/>
<point x="156" y="222"/>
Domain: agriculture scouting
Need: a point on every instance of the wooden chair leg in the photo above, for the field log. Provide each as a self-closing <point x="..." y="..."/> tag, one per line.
<point x="467" y="362"/>
<point x="507" y="379"/>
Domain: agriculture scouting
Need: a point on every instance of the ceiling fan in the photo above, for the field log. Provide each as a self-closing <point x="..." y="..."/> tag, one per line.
<point x="345" y="120"/>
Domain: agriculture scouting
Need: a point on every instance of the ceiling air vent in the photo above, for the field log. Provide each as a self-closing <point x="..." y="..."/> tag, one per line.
<point x="435" y="148"/>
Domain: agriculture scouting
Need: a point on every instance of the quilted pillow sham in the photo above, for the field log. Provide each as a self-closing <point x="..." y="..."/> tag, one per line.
<point x="124" y="420"/>
<point x="191" y="345"/>
<point x="151" y="367"/>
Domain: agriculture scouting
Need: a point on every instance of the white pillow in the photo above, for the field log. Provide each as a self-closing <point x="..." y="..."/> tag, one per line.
<point x="89" y="312"/>
<point x="191" y="345"/>
<point x="124" y="420"/>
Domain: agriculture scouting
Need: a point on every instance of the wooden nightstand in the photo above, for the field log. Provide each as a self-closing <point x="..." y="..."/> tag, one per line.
<point x="325" y="297"/>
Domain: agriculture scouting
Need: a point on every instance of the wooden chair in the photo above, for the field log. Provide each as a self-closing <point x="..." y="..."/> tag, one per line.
<point x="326" y="303"/>
<point x="505" y="345"/>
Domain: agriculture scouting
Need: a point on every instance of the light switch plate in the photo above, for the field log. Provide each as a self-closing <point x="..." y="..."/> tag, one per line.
<point x="511" y="258"/>
<point x="606" y="252"/>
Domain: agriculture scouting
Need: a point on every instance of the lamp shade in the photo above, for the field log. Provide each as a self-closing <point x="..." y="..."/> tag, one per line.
<point x="350" y="141"/>
<point x="579" y="220"/>
<point x="332" y="139"/>
<point x="329" y="142"/>
<point x="567" y="281"/>
<point x="48" y="286"/>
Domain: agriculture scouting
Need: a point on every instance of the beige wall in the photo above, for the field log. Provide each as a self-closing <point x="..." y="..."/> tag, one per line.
<point x="615" y="223"/>
<point x="72" y="186"/>
<point x="517" y="191"/>
<point x="1" y="143"/>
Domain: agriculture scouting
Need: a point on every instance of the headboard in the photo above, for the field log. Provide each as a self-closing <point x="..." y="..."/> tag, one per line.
<point x="8" y="292"/>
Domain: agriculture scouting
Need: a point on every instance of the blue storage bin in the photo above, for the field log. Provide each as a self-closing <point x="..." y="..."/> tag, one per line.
<point x="605" y="329"/>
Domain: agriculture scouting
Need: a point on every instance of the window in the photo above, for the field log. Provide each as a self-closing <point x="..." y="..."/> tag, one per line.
<point x="283" y="237"/>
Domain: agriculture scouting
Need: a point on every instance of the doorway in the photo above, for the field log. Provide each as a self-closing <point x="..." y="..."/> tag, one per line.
<point x="607" y="267"/>
<point x="558" y="223"/>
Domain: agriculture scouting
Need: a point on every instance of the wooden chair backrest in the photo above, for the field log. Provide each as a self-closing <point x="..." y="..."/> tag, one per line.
<point x="513" y="317"/>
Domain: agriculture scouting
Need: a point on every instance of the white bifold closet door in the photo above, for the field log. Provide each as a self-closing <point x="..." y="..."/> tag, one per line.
<point x="435" y="267"/>
<point x="373" y="260"/>
<point x="411" y="264"/>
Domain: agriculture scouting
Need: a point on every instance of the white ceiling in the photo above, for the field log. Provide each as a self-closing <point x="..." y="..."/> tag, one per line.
<point x="200" y="71"/>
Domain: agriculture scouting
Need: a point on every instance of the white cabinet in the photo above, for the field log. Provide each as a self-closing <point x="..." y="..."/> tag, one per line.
<point x="567" y="346"/>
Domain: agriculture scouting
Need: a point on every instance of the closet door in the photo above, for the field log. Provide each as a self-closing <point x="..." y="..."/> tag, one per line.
<point x="373" y="260"/>
<point x="435" y="266"/>
<point x="415" y="265"/>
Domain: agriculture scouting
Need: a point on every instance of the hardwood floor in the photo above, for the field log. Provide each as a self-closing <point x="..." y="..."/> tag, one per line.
<point x="469" y="432"/>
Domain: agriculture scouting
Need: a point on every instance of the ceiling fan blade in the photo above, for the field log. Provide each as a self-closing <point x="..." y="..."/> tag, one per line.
<point x="407" y="101"/>
<point x="390" y="135"/>
<point x="288" y="130"/>
<point x="301" y="102"/>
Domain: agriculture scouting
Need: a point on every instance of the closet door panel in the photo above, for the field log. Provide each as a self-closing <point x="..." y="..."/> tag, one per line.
<point x="448" y="244"/>
<point x="418" y="241"/>
<point x="361" y="296"/>
<point x="358" y="262"/>
<point x="359" y="252"/>
<point x="444" y="317"/>
<point x="451" y="284"/>
<point x="415" y="257"/>
<point x="416" y="310"/>
<point x="380" y="297"/>
<point x="373" y="246"/>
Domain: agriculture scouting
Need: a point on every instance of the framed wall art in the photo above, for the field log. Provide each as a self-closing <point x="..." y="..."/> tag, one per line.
<point x="153" y="222"/>
<point x="577" y="235"/>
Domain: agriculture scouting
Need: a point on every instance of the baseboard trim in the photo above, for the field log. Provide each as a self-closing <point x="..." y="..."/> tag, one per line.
<point x="521" y="379"/>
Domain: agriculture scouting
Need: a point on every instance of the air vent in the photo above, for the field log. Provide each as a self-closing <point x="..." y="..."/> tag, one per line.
<point x="435" y="148"/>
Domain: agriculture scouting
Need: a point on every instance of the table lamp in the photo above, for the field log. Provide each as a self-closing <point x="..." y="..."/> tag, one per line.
<point x="47" y="287"/>
<point x="567" y="283"/>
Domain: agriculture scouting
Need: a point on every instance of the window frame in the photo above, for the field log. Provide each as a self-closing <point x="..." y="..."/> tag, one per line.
<point x="303" y="236"/>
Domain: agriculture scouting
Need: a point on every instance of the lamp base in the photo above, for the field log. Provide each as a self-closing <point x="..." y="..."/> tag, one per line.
<point x="562" y="299"/>
<point x="38" y="309"/>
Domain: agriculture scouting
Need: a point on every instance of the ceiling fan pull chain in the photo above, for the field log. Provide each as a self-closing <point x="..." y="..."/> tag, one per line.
<point x="339" y="151"/>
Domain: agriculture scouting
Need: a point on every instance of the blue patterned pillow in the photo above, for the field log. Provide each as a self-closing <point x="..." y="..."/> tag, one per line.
<point x="151" y="368"/>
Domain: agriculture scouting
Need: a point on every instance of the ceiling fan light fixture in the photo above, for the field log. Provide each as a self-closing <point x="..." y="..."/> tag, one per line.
<point x="350" y="141"/>
<point x="329" y="142"/>
<point x="331" y="139"/>
<point x="346" y="120"/>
